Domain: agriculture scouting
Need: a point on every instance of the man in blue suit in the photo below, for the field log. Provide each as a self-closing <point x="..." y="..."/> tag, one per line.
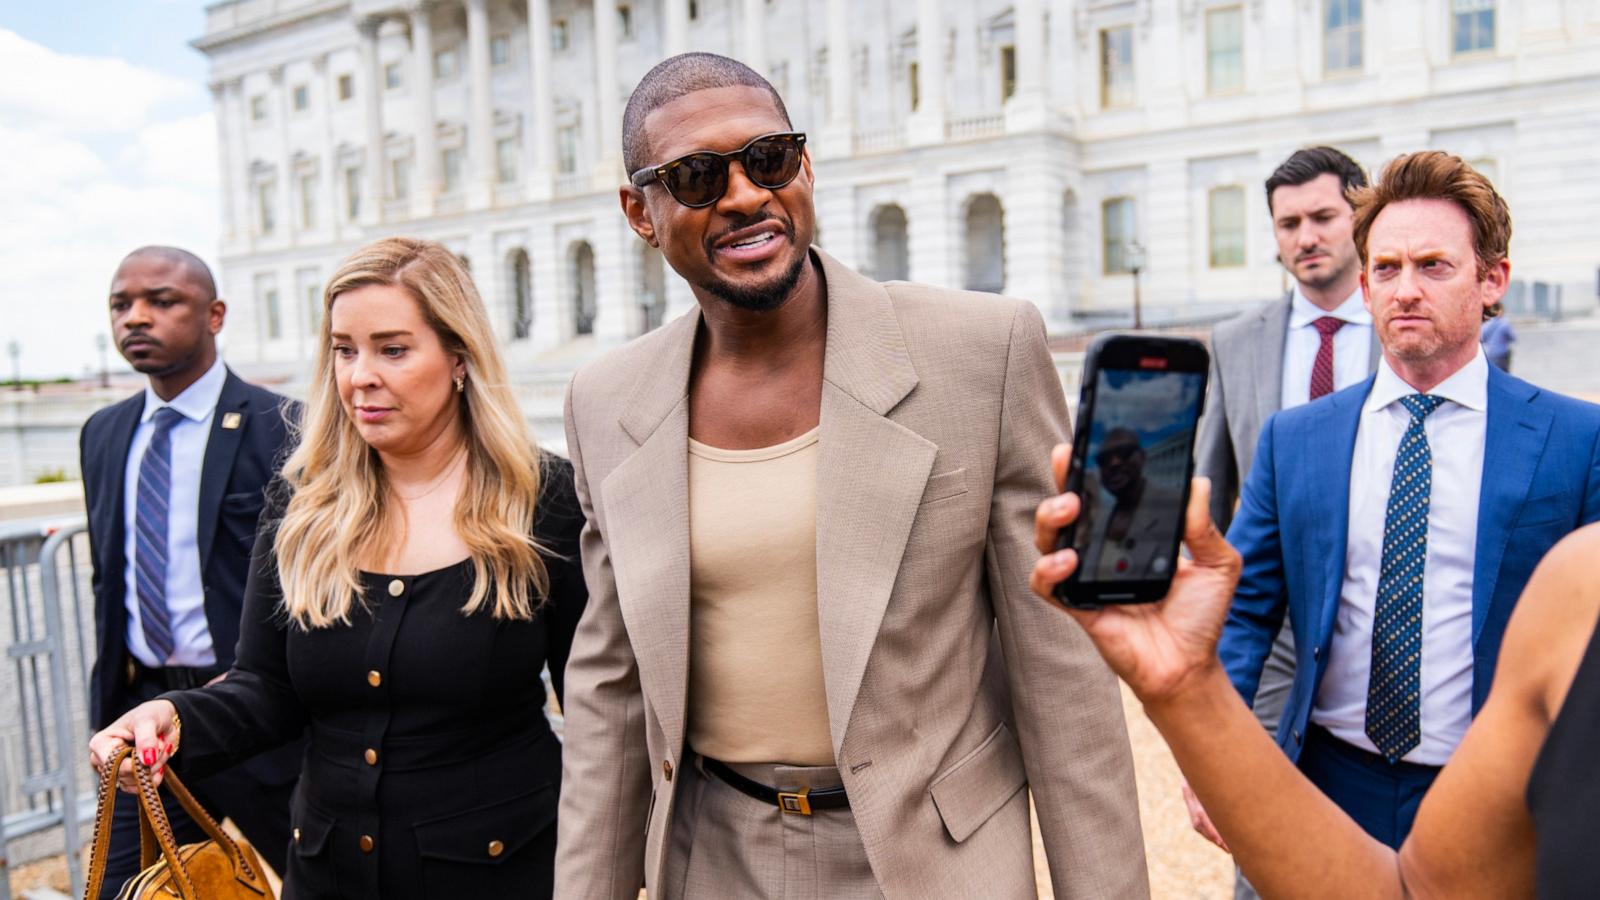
<point x="1396" y="521"/>
<point x="173" y="480"/>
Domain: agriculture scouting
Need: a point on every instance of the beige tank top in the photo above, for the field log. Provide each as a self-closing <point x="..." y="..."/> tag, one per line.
<point x="756" y="693"/>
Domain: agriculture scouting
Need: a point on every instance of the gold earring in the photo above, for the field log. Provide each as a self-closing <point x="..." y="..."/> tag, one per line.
<point x="461" y="384"/>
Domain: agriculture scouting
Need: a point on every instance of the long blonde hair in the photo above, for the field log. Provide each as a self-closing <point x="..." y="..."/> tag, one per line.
<point x="340" y="509"/>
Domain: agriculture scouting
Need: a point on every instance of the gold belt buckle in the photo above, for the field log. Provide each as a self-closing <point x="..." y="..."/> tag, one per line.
<point x="795" y="802"/>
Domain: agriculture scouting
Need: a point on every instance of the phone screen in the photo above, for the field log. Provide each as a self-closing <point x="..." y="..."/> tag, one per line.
<point x="1133" y="473"/>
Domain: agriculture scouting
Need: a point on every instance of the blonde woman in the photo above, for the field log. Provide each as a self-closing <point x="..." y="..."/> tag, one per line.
<point x="416" y="568"/>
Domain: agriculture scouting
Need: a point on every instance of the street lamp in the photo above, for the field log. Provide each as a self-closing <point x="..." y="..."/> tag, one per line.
<point x="100" y="343"/>
<point x="1135" y="263"/>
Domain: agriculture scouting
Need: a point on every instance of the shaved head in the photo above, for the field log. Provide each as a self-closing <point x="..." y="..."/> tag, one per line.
<point x="194" y="267"/>
<point x="674" y="77"/>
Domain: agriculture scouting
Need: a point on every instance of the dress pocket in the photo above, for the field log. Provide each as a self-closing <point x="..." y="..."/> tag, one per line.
<point x="502" y="849"/>
<point x="310" y="874"/>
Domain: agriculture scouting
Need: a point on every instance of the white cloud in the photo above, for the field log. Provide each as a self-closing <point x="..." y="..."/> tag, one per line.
<point x="82" y="94"/>
<point x="100" y="157"/>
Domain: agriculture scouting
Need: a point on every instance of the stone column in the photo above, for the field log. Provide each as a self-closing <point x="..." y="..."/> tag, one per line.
<point x="329" y="171"/>
<point x="926" y="125"/>
<point x="538" y="135"/>
<point x="675" y="28"/>
<point x="606" y="142"/>
<point x="372" y="101"/>
<point x="480" y="130"/>
<point x="220" y="91"/>
<point x="838" y="134"/>
<point x="1028" y="108"/>
<point x="929" y="228"/>
<point x="288" y="210"/>
<point x="754" y="47"/>
<point x="425" y="127"/>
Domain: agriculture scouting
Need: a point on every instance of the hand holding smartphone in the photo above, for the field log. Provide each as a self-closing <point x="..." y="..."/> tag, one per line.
<point x="1132" y="458"/>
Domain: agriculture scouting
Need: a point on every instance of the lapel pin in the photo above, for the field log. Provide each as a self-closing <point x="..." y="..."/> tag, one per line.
<point x="231" y="420"/>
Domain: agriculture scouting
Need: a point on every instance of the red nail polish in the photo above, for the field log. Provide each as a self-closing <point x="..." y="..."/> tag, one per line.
<point x="149" y="757"/>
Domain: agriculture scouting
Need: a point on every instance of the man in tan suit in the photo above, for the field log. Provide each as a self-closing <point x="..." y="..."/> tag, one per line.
<point x="811" y="665"/>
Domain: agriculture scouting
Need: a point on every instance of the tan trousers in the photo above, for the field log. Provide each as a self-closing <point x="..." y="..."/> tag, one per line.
<point x="725" y="844"/>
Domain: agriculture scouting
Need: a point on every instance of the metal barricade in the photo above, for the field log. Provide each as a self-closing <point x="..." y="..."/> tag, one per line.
<point x="45" y="570"/>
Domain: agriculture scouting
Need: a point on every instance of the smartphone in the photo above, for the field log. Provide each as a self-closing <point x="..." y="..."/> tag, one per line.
<point x="1132" y="458"/>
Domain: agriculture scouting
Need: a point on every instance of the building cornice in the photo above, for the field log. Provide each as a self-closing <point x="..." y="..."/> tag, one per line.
<point x="210" y="42"/>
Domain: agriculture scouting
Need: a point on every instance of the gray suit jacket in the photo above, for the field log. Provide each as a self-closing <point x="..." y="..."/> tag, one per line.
<point x="1246" y="388"/>
<point x="949" y="685"/>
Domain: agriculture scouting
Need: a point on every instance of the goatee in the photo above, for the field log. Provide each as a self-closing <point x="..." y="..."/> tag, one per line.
<point x="761" y="298"/>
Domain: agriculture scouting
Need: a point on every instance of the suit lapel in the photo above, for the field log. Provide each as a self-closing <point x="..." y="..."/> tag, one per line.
<point x="222" y="446"/>
<point x="1344" y="412"/>
<point x="1268" y="368"/>
<point x="1514" y="439"/>
<point x="124" y="422"/>
<point x="646" y="501"/>
<point x="871" y="472"/>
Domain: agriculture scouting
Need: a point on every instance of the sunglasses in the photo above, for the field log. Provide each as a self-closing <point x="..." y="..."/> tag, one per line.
<point x="701" y="178"/>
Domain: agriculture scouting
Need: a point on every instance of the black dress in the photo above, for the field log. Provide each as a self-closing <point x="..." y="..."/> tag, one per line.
<point x="432" y="771"/>
<point x="1564" y="790"/>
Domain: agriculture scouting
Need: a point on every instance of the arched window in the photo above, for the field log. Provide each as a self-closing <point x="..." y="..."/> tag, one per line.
<point x="891" y="256"/>
<point x="582" y="282"/>
<point x="985" y="245"/>
<point x="521" y="295"/>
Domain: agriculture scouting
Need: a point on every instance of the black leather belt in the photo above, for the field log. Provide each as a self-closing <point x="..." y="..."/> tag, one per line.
<point x="171" y="678"/>
<point x="800" y="802"/>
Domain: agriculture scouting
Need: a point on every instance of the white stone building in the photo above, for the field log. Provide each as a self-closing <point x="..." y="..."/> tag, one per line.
<point x="1027" y="147"/>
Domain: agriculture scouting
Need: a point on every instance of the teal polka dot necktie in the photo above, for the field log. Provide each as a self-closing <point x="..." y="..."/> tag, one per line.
<point x="1394" y="691"/>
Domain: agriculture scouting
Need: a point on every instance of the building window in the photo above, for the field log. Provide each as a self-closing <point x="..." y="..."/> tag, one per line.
<point x="311" y="296"/>
<point x="393" y="76"/>
<point x="916" y="86"/>
<point x="1116" y="67"/>
<point x="505" y="156"/>
<point x="567" y="149"/>
<point x="1487" y="167"/>
<point x="447" y="64"/>
<point x="1471" y="26"/>
<point x="1225" y="225"/>
<point x="258" y="108"/>
<point x="400" y="178"/>
<point x="452" y="169"/>
<point x="302" y="98"/>
<point x="694" y="9"/>
<point x="1008" y="72"/>
<point x="352" y="193"/>
<point x="559" y="39"/>
<point x="347" y="86"/>
<point x="1117" y="230"/>
<point x="625" y="21"/>
<point x="269" y="304"/>
<point x="1225" y="50"/>
<point x="264" y="193"/>
<point x="522" y="295"/>
<point x="1341" y="36"/>
<point x="308" y="201"/>
<point x="499" y="50"/>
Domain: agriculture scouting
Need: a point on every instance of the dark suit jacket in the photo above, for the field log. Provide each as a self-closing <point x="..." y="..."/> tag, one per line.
<point x="239" y="462"/>
<point x="1541" y="480"/>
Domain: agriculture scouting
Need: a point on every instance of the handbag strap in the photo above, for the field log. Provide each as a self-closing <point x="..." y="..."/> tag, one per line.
<point x="155" y="831"/>
<point x="105" y="802"/>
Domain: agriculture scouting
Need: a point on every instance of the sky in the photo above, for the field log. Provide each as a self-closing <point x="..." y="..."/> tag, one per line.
<point x="107" y="143"/>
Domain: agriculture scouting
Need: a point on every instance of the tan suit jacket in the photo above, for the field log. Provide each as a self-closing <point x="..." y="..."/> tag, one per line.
<point x="939" y="410"/>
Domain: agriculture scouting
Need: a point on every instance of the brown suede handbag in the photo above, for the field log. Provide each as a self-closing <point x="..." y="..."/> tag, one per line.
<point x="218" y="869"/>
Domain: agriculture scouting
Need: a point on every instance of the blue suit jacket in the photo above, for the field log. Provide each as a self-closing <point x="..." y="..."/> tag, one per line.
<point x="1541" y="480"/>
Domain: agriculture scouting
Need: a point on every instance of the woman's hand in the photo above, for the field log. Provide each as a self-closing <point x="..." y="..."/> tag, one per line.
<point x="1156" y="648"/>
<point x="152" y="729"/>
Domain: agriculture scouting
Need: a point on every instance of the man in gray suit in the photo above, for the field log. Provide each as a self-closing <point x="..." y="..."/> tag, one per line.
<point x="1315" y="340"/>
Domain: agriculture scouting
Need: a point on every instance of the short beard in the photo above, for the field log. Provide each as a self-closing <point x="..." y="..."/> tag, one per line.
<point x="762" y="298"/>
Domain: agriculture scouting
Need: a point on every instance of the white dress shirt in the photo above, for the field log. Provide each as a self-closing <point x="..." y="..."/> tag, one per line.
<point x="1456" y="433"/>
<point x="1352" y="346"/>
<point x="191" y="637"/>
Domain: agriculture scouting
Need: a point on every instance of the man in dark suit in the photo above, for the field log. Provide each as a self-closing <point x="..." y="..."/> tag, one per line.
<point x="1397" y="521"/>
<point x="173" y="481"/>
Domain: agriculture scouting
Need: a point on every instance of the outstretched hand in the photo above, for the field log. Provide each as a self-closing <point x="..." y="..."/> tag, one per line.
<point x="1155" y="647"/>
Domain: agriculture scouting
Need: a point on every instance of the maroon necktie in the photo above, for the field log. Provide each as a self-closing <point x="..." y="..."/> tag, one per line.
<point x="1322" y="369"/>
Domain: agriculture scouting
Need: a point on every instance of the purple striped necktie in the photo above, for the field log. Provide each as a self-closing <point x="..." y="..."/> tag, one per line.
<point x="150" y="522"/>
